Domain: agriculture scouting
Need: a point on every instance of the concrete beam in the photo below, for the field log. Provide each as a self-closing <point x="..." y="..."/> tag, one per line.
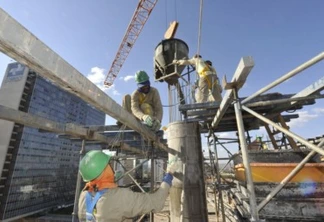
<point x="242" y="71"/>
<point x="31" y="120"/>
<point x="312" y="89"/>
<point x="21" y="45"/>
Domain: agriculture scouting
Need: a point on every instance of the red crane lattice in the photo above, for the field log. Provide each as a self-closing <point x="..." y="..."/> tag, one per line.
<point x="141" y="14"/>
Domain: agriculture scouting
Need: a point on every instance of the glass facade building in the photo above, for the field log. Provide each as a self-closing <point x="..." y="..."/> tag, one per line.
<point x="39" y="169"/>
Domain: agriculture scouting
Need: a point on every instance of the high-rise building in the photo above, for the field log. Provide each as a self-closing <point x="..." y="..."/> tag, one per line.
<point x="38" y="169"/>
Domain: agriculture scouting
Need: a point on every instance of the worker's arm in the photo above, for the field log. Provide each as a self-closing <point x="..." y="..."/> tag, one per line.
<point x="158" y="109"/>
<point x="143" y="203"/>
<point x="135" y="106"/>
<point x="185" y="62"/>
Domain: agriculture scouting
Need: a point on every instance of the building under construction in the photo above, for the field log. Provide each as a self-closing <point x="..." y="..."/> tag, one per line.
<point x="280" y="179"/>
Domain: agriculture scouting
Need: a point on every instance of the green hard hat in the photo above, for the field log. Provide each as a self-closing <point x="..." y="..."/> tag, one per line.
<point x="92" y="164"/>
<point x="141" y="76"/>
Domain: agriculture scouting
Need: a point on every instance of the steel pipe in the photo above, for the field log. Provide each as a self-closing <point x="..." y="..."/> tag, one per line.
<point x="246" y="163"/>
<point x="287" y="132"/>
<point x="290" y="74"/>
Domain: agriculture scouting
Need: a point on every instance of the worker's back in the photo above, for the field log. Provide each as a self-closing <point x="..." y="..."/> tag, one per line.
<point x="118" y="204"/>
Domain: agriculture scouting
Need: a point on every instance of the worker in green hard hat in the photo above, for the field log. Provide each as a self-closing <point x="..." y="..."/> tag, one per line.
<point x="209" y="88"/>
<point x="102" y="200"/>
<point x="145" y="102"/>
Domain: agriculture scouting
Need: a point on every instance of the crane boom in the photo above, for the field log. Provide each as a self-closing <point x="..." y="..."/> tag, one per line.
<point x="140" y="16"/>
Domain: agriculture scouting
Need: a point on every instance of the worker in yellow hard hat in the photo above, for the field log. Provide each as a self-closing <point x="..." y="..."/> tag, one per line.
<point x="102" y="200"/>
<point x="145" y="102"/>
<point x="209" y="88"/>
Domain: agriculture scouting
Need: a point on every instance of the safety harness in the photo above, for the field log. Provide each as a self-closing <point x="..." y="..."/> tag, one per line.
<point x="91" y="202"/>
<point x="204" y="70"/>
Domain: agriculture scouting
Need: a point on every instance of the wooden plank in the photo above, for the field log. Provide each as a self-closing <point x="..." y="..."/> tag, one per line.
<point x="242" y="71"/>
<point x="21" y="45"/>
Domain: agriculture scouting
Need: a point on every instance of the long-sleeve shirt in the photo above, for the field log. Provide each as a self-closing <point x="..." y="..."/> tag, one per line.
<point x="152" y="98"/>
<point x="201" y="67"/>
<point x="117" y="204"/>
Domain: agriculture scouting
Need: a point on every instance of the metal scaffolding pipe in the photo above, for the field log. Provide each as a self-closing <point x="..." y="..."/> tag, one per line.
<point x="245" y="157"/>
<point x="78" y="186"/>
<point x="220" y="196"/>
<point x="288" y="178"/>
<point x="290" y="74"/>
<point x="285" y="131"/>
<point x="278" y="101"/>
<point x="185" y="138"/>
<point x="30" y="51"/>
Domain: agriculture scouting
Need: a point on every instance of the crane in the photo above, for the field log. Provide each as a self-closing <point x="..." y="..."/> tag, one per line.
<point x="140" y="16"/>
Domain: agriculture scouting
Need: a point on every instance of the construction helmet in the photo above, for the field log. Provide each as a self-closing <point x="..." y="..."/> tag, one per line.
<point x="93" y="164"/>
<point x="209" y="62"/>
<point x="141" y="76"/>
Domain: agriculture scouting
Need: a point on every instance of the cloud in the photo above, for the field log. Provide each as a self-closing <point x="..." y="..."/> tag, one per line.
<point x="304" y="117"/>
<point x="97" y="76"/>
<point x="319" y="110"/>
<point x="127" y="78"/>
<point x="224" y="135"/>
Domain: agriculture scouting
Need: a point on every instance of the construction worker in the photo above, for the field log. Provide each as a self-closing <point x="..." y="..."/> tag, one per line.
<point x="101" y="200"/>
<point x="145" y="102"/>
<point x="209" y="89"/>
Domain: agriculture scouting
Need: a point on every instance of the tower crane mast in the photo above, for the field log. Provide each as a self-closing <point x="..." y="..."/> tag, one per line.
<point x="140" y="16"/>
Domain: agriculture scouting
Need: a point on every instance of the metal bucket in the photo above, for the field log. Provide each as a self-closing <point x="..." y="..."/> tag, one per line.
<point x="165" y="52"/>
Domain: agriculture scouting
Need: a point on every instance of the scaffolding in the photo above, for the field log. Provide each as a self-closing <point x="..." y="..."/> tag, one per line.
<point x="232" y="114"/>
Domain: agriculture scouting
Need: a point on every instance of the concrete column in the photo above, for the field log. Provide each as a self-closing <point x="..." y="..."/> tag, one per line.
<point x="187" y="195"/>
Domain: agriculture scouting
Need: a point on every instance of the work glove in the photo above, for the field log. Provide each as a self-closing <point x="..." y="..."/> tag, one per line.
<point x="168" y="179"/>
<point x="156" y="125"/>
<point x="174" y="165"/>
<point x="148" y="120"/>
<point x="175" y="62"/>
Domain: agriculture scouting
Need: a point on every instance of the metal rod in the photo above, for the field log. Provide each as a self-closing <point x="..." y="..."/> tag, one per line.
<point x="132" y="178"/>
<point x="287" y="178"/>
<point x="78" y="186"/>
<point x="285" y="131"/>
<point x="212" y="164"/>
<point x="152" y="178"/>
<point x="277" y="101"/>
<point x="218" y="179"/>
<point x="128" y="172"/>
<point x="245" y="157"/>
<point x="290" y="74"/>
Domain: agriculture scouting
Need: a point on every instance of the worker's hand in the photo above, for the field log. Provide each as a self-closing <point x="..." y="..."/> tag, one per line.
<point x="148" y="120"/>
<point x="174" y="165"/>
<point x="175" y="62"/>
<point x="156" y="125"/>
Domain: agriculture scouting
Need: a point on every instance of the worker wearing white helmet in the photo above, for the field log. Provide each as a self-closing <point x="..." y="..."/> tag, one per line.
<point x="101" y="200"/>
<point x="145" y="102"/>
<point x="209" y="89"/>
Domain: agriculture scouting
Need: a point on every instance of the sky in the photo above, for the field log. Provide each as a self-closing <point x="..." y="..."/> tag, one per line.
<point x="279" y="35"/>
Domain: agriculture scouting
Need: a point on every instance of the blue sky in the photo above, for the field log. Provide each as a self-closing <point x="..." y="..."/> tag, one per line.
<point x="280" y="35"/>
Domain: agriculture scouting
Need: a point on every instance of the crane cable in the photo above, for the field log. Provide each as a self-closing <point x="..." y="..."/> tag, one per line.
<point x="200" y="25"/>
